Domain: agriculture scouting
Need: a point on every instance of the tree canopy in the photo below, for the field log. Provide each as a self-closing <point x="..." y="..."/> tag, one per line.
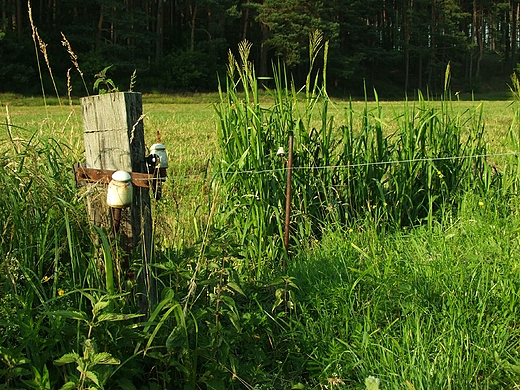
<point x="181" y="45"/>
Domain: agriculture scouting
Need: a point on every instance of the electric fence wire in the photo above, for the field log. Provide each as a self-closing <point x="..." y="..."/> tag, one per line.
<point x="342" y="166"/>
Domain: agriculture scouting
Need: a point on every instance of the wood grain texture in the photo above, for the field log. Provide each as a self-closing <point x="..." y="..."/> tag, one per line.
<point x="114" y="132"/>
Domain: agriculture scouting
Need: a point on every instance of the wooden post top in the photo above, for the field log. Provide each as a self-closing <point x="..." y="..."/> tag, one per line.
<point x="114" y="132"/>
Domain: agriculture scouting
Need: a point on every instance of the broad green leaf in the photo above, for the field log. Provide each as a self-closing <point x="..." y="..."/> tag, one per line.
<point x="177" y="338"/>
<point x="99" y="306"/>
<point x="165" y="316"/>
<point x="235" y="320"/>
<point x="72" y="314"/>
<point x="290" y="282"/>
<point x="277" y="282"/>
<point x="89" y="349"/>
<point x="361" y="251"/>
<point x="104" y="358"/>
<point x="32" y="384"/>
<point x="66" y="359"/>
<point x="234" y="286"/>
<point x="242" y="159"/>
<point x="117" y="317"/>
<point x="278" y="294"/>
<point x="372" y="383"/>
<point x="92" y="376"/>
<point x="68" y="386"/>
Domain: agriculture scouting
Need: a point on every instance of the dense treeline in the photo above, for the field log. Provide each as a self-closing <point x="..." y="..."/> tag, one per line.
<point x="182" y="44"/>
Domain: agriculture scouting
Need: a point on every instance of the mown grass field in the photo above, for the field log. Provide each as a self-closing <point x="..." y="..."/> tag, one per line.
<point x="428" y="305"/>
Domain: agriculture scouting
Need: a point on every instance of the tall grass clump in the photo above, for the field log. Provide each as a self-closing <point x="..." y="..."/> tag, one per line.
<point x="55" y="306"/>
<point x="251" y="172"/>
<point x="511" y="166"/>
<point x="399" y="171"/>
<point x="37" y="244"/>
<point x="405" y="177"/>
<point x="249" y="137"/>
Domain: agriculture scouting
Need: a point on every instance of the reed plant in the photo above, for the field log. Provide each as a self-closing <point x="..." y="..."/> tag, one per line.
<point x="249" y="137"/>
<point x="342" y="172"/>
<point x="511" y="165"/>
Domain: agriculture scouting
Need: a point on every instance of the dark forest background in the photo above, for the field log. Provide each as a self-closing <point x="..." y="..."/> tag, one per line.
<point x="181" y="45"/>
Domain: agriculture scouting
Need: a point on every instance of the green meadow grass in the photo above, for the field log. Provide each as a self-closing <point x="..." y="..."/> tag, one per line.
<point x="422" y="307"/>
<point x="183" y="119"/>
<point x="418" y="309"/>
<point x="187" y="126"/>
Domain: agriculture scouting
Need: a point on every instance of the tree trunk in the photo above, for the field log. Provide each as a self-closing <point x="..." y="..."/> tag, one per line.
<point x="245" y="14"/>
<point x="54" y="11"/>
<point x="506" y="32"/>
<point x="514" y="32"/>
<point x="264" y="50"/>
<point x="480" y="45"/>
<point x="406" y="52"/>
<point x="473" y="34"/>
<point x="420" y="72"/>
<point x="176" y="30"/>
<point x="99" y="28"/>
<point x="19" y="18"/>
<point x="192" y="33"/>
<point x="4" y="16"/>
<point x="159" y="31"/>
<point x="406" y="69"/>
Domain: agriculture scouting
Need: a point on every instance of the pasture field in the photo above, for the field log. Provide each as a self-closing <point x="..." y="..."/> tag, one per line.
<point x="187" y="125"/>
<point x="380" y="296"/>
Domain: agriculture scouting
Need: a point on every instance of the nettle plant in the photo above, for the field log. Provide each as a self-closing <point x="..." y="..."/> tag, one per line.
<point x="103" y="84"/>
<point x="103" y="80"/>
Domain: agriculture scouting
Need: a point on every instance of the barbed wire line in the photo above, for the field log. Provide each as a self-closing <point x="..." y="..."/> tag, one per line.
<point x="211" y="176"/>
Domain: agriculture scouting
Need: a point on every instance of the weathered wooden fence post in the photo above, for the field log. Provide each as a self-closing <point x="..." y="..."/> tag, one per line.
<point x="114" y="140"/>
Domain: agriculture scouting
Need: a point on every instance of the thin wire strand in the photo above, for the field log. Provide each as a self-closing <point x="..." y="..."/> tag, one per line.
<point x="348" y="166"/>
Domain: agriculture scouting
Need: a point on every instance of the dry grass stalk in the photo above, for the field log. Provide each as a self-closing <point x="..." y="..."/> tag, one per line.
<point x="33" y="29"/>
<point x="135" y="125"/>
<point x="15" y="140"/>
<point x="73" y="58"/>
<point x="31" y="20"/>
<point x="69" y="87"/>
<point x="8" y="119"/>
<point x="43" y="49"/>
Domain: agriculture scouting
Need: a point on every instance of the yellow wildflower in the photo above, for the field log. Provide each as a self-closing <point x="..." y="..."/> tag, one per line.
<point x="61" y="292"/>
<point x="481" y="203"/>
